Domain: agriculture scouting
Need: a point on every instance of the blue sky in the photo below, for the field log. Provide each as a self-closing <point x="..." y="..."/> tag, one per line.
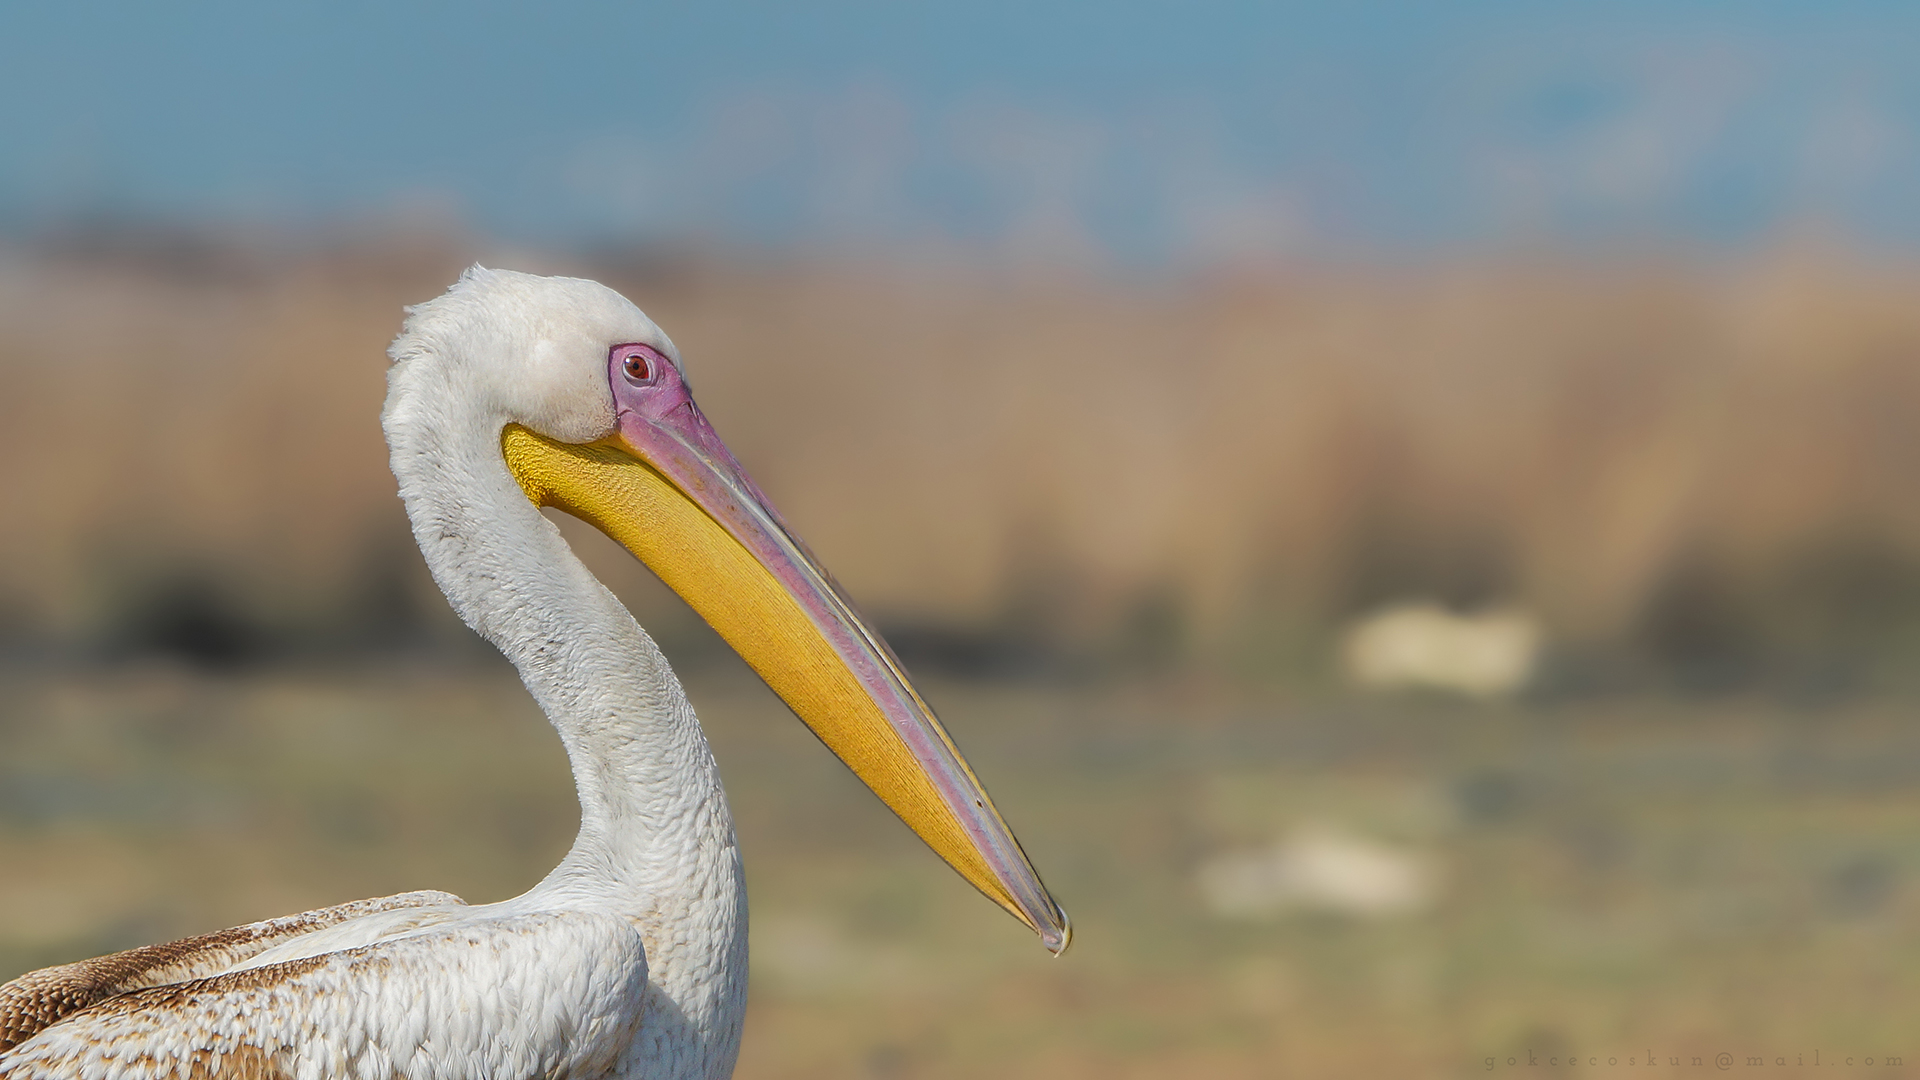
<point x="1155" y="132"/>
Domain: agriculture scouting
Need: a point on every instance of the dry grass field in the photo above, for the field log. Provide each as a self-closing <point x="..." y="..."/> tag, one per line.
<point x="1678" y="464"/>
<point x="1118" y="524"/>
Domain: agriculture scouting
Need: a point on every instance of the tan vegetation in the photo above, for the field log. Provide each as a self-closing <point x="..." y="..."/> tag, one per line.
<point x="1650" y="453"/>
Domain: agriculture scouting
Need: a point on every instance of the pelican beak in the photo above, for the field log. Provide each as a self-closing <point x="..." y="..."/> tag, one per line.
<point x="666" y="488"/>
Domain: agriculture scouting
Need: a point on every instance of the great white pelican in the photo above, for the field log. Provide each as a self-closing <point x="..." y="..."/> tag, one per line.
<point x="511" y="393"/>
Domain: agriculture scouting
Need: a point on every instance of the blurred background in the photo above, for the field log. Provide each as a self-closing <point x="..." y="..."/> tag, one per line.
<point x="1413" y="509"/>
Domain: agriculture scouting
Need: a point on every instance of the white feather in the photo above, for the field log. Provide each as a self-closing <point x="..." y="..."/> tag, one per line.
<point x="629" y="959"/>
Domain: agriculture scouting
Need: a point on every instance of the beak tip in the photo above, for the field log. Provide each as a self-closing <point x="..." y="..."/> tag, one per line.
<point x="1057" y="939"/>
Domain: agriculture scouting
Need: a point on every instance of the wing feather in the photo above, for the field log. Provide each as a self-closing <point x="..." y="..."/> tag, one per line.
<point x="32" y="1002"/>
<point x="550" y="996"/>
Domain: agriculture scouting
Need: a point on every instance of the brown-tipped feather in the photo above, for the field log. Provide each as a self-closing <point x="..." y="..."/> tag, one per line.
<point x="39" y="999"/>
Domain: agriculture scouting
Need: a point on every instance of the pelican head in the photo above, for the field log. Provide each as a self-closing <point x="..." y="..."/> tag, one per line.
<point x="587" y="403"/>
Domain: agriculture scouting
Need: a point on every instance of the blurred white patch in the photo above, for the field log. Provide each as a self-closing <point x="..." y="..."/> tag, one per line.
<point x="1424" y="645"/>
<point x="1319" y="868"/>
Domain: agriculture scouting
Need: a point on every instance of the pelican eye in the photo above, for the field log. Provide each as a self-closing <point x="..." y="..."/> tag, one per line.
<point x="638" y="368"/>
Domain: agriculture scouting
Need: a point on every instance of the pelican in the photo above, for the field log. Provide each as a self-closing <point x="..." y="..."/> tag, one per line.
<point x="509" y="393"/>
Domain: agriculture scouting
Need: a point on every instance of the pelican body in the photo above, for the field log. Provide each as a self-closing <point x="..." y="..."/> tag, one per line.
<point x="629" y="960"/>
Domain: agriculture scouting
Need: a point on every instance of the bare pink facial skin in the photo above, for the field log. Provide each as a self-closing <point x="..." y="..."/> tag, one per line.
<point x="658" y="420"/>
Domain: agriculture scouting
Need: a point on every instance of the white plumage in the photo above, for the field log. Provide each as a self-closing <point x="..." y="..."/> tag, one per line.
<point x="629" y="960"/>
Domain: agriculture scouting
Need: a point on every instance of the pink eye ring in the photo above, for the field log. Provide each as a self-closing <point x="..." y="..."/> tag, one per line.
<point x="640" y="364"/>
